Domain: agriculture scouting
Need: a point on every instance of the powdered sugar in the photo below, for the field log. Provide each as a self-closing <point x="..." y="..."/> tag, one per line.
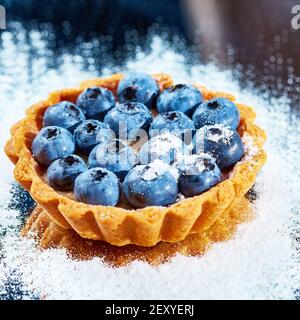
<point x="261" y="262"/>
<point x="158" y="168"/>
<point x="163" y="147"/>
<point x="150" y="174"/>
<point x="194" y="160"/>
<point x="163" y="143"/>
<point x="249" y="147"/>
<point x="215" y="133"/>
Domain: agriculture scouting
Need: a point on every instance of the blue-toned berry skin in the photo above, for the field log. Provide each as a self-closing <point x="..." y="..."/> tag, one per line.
<point x="217" y="111"/>
<point x="199" y="176"/>
<point x="52" y="143"/>
<point x="223" y="144"/>
<point x="65" y="115"/>
<point x="95" y="102"/>
<point x="175" y="122"/>
<point x="165" y="147"/>
<point x="90" y="133"/>
<point x="143" y="189"/>
<point x="181" y="97"/>
<point x="128" y="118"/>
<point x="62" y="172"/>
<point x="138" y="87"/>
<point x="97" y="186"/>
<point x="114" y="156"/>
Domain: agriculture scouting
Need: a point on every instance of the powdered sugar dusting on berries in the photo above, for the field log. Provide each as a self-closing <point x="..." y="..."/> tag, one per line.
<point x="261" y="262"/>
<point x="150" y="174"/>
<point x="217" y="133"/>
<point x="193" y="160"/>
<point x="163" y="143"/>
<point x="180" y="197"/>
<point x="158" y="168"/>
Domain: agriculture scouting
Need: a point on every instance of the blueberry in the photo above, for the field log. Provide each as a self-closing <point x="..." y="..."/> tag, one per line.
<point x="150" y="185"/>
<point x="175" y="122"/>
<point x="128" y="118"/>
<point x="181" y="97"/>
<point x="113" y="155"/>
<point x="62" y="172"/>
<point x="217" y="111"/>
<point x="165" y="147"/>
<point x="64" y="114"/>
<point x="90" y="133"/>
<point x="198" y="174"/>
<point x="52" y="143"/>
<point x="97" y="186"/>
<point x="138" y="87"/>
<point x="95" y="102"/>
<point x="222" y="143"/>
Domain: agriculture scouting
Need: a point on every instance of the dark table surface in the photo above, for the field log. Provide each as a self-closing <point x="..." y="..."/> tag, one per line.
<point x="251" y="33"/>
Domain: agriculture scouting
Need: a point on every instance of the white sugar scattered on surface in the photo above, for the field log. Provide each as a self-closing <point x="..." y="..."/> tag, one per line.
<point x="260" y="262"/>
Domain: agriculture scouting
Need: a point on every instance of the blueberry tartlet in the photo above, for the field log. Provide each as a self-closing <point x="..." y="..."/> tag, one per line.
<point x="136" y="158"/>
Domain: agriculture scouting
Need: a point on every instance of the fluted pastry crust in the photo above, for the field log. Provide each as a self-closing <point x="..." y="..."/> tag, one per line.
<point x="117" y="225"/>
<point x="48" y="234"/>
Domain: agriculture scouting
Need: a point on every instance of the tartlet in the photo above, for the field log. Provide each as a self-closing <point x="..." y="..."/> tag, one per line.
<point x="150" y="225"/>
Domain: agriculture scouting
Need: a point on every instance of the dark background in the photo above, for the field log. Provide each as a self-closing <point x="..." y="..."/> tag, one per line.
<point x="256" y="34"/>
